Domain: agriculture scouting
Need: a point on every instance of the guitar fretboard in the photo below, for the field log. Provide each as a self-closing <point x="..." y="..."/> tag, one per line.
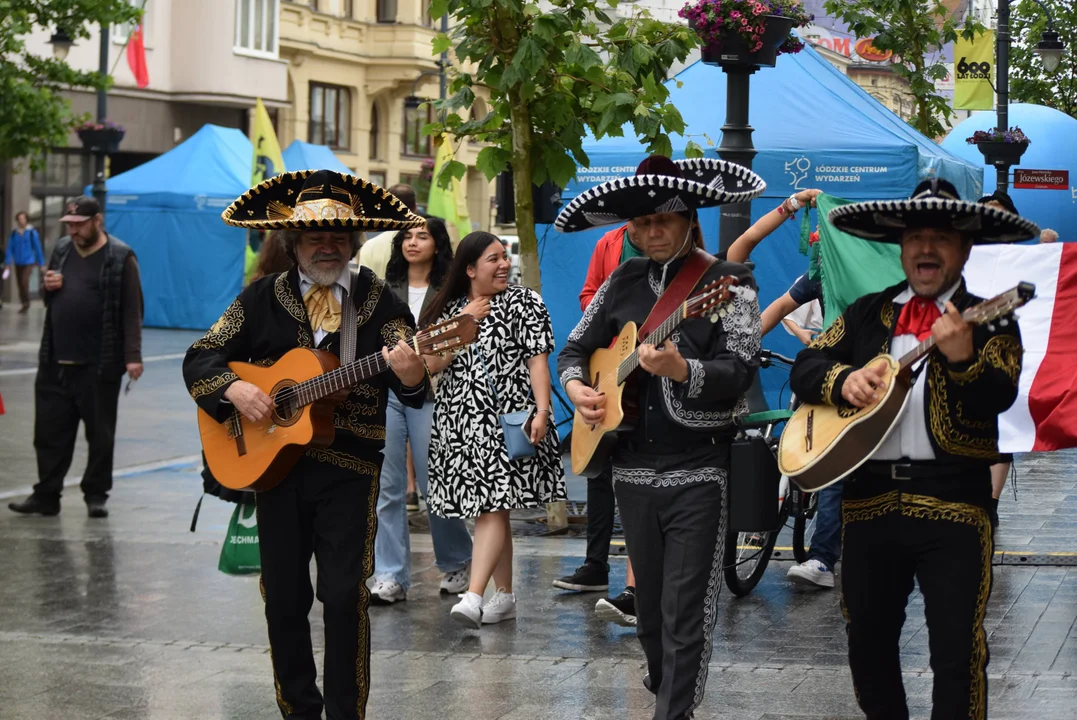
<point x="659" y="335"/>
<point x="345" y="376"/>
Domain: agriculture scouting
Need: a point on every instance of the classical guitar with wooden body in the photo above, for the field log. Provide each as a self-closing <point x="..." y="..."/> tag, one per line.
<point x="611" y="370"/>
<point x="305" y="385"/>
<point x="821" y="444"/>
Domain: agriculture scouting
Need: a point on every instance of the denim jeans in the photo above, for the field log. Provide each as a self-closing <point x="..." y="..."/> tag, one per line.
<point x="826" y="541"/>
<point x="392" y="545"/>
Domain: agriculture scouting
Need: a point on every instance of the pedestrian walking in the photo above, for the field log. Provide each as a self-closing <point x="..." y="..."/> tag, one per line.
<point x="418" y="266"/>
<point x="24" y="254"/>
<point x="92" y="336"/>
<point x="504" y="371"/>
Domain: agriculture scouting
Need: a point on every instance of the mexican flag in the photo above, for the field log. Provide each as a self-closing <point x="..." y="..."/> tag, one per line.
<point x="1044" y="417"/>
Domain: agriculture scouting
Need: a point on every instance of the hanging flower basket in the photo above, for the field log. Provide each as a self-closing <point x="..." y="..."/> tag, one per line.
<point x="1001" y="149"/>
<point x="746" y="33"/>
<point x="102" y="137"/>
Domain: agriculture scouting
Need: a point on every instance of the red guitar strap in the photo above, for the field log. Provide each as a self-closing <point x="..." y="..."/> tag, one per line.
<point x="693" y="270"/>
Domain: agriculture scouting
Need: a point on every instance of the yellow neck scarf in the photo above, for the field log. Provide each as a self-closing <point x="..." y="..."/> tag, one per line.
<point x="323" y="308"/>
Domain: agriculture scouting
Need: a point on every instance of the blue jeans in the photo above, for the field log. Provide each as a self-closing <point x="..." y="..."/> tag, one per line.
<point x="826" y="541"/>
<point x="392" y="545"/>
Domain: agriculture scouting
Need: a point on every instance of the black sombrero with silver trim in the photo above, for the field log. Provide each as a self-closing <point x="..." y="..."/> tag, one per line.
<point x="934" y="204"/>
<point x="320" y="199"/>
<point x="661" y="185"/>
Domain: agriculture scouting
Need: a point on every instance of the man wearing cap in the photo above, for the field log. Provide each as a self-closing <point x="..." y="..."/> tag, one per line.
<point x="325" y="506"/>
<point x="918" y="509"/>
<point x="670" y="471"/>
<point x="92" y="336"/>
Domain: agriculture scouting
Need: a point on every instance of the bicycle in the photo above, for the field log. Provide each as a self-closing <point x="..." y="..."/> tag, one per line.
<point x="747" y="554"/>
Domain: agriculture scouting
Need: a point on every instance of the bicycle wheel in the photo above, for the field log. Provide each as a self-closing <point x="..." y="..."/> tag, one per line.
<point x="804" y="526"/>
<point x="747" y="556"/>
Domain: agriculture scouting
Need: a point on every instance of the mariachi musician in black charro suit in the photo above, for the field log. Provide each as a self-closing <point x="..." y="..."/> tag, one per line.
<point x="919" y="508"/>
<point x="325" y="506"/>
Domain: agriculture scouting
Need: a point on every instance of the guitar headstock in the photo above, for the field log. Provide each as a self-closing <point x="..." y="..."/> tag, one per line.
<point x="1000" y="305"/>
<point x="448" y="335"/>
<point x="712" y="300"/>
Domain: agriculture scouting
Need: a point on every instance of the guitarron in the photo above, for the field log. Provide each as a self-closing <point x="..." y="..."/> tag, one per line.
<point x="821" y="444"/>
<point x="305" y="385"/>
<point x="611" y="369"/>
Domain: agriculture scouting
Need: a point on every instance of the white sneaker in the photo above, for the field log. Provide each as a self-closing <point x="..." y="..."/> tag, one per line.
<point x="502" y="606"/>
<point x="468" y="612"/>
<point x="456" y="581"/>
<point x="387" y="592"/>
<point x="811" y="572"/>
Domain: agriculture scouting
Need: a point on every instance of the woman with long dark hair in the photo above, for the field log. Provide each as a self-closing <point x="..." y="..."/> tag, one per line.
<point x="418" y="264"/>
<point x="505" y="370"/>
<point x="273" y="257"/>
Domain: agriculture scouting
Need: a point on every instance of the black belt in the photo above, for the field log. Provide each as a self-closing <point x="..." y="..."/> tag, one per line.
<point x="916" y="470"/>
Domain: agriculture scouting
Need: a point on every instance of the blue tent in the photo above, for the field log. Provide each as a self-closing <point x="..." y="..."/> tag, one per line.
<point x="1053" y="146"/>
<point x="814" y="128"/>
<point x="305" y="156"/>
<point x="169" y="211"/>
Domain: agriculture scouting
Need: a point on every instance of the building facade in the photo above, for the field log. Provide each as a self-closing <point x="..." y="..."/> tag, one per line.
<point x="206" y="65"/>
<point x="357" y="71"/>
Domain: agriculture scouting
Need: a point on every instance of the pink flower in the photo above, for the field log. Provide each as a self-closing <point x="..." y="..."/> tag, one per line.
<point x="735" y="14"/>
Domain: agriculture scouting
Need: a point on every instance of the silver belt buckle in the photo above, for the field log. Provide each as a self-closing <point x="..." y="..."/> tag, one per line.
<point x="896" y="467"/>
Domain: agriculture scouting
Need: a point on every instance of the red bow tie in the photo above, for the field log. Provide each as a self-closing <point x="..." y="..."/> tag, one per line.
<point x="917" y="317"/>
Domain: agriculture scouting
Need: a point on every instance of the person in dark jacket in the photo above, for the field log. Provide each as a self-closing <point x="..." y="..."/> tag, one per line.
<point x="24" y="253"/>
<point x="919" y="508"/>
<point x="92" y="336"/>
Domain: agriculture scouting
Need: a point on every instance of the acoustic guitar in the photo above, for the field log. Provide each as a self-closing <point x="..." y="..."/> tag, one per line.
<point x="611" y="370"/>
<point x="821" y="444"/>
<point x="305" y="385"/>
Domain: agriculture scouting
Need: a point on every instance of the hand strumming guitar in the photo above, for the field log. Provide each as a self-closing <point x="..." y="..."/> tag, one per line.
<point x="249" y="399"/>
<point x="862" y="387"/>
<point x="663" y="361"/>
<point x="590" y="403"/>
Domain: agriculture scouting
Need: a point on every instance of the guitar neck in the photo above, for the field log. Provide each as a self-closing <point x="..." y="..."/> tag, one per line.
<point x="659" y="335"/>
<point x="343" y="378"/>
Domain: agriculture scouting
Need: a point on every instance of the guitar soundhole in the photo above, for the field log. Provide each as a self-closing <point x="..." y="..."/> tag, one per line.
<point x="287" y="410"/>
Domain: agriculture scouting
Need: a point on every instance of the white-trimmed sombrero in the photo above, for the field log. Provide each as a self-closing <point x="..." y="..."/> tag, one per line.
<point x="660" y="186"/>
<point x="934" y="204"/>
<point x="320" y="199"/>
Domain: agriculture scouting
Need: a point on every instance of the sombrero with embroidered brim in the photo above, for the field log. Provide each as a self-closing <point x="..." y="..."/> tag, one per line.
<point x="320" y="199"/>
<point x="661" y="185"/>
<point x="934" y="204"/>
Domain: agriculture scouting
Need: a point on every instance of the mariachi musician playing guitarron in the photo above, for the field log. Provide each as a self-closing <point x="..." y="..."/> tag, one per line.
<point x="326" y="504"/>
<point x="670" y="472"/>
<point x="918" y="508"/>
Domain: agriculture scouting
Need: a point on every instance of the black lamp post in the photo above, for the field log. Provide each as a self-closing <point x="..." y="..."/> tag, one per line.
<point x="1050" y="50"/>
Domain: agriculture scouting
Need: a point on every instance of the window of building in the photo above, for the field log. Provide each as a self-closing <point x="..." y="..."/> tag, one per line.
<point x="256" y="27"/>
<point x="330" y="116"/>
<point x="347" y="8"/>
<point x="427" y="20"/>
<point x="121" y="31"/>
<point x="387" y="11"/>
<point x="315" y="6"/>
<point x="378" y="178"/>
<point x="375" y="133"/>
<point x="415" y="143"/>
<point x="421" y="185"/>
<point x="66" y="173"/>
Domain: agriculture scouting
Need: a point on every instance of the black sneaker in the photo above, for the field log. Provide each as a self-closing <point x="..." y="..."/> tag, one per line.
<point x="36" y="505"/>
<point x="620" y="609"/>
<point x="411" y="502"/>
<point x="589" y="577"/>
<point x="96" y="509"/>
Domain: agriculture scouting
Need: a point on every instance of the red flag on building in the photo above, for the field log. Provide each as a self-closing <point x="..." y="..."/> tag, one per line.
<point x="136" y="58"/>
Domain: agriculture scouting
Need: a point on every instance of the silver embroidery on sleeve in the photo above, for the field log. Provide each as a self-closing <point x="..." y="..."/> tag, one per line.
<point x="589" y="313"/>
<point x="743" y="325"/>
<point x="696" y="374"/>
<point x="574" y="372"/>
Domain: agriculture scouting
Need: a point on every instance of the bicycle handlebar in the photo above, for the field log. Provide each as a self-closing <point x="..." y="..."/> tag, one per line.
<point x="768" y="356"/>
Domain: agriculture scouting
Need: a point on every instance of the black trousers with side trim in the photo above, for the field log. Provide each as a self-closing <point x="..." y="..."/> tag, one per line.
<point x="937" y="532"/>
<point x="675" y="537"/>
<point x="327" y="511"/>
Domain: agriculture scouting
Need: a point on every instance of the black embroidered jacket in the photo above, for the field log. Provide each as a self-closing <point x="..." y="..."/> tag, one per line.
<point x="268" y="319"/>
<point x="963" y="400"/>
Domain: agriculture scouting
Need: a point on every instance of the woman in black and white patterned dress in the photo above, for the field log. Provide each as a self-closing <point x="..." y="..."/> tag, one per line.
<point x="471" y="475"/>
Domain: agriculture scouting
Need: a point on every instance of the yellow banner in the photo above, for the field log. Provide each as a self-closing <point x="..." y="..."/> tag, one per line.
<point x="974" y="72"/>
<point x="267" y="158"/>
<point x="449" y="204"/>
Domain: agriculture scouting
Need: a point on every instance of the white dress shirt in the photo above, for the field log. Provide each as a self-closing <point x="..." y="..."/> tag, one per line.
<point x="910" y="439"/>
<point x="339" y="287"/>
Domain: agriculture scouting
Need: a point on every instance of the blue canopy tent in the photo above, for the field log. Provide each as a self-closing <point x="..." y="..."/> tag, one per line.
<point x="814" y="128"/>
<point x="305" y="156"/>
<point x="1053" y="147"/>
<point x="169" y="211"/>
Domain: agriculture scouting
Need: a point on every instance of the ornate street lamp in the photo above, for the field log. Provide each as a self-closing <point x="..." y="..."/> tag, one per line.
<point x="61" y="44"/>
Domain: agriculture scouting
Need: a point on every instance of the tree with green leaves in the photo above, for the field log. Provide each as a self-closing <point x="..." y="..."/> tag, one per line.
<point x="1029" y="82"/>
<point x="915" y="31"/>
<point x="553" y="71"/>
<point x="34" y="114"/>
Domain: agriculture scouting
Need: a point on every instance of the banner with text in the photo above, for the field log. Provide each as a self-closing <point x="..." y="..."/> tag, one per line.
<point x="974" y="63"/>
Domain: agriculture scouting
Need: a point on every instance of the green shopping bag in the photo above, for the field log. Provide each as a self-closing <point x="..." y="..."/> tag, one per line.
<point x="240" y="555"/>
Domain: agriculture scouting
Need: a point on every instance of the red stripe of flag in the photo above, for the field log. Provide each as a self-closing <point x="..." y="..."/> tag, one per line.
<point x="1052" y="399"/>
